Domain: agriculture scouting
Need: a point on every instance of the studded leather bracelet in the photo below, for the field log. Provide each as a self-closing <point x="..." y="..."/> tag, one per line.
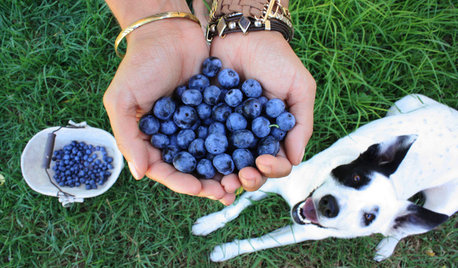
<point x="229" y="16"/>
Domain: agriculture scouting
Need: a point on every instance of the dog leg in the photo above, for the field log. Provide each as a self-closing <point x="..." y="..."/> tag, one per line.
<point x="284" y="236"/>
<point x="386" y="247"/>
<point x="212" y="222"/>
<point x="442" y="199"/>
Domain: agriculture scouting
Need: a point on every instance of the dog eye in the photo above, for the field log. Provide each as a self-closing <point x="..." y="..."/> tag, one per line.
<point x="356" y="178"/>
<point x="368" y="218"/>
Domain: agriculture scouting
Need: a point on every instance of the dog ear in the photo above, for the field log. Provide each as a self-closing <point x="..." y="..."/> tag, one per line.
<point x="389" y="154"/>
<point x="412" y="219"/>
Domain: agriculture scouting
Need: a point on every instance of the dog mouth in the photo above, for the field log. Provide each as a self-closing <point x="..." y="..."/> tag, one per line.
<point x="305" y="212"/>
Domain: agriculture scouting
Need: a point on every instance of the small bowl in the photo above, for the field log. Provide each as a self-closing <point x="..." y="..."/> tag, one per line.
<point x="36" y="160"/>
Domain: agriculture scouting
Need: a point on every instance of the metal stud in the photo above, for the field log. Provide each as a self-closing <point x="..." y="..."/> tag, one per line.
<point x="244" y="24"/>
<point x="232" y="25"/>
<point x="257" y="23"/>
<point x="221" y="26"/>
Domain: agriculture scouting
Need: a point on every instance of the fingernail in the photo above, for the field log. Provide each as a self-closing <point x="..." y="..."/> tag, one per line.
<point x="264" y="169"/>
<point x="133" y="170"/>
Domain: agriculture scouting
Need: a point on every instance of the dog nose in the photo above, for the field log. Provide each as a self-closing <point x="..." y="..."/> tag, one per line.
<point x="328" y="206"/>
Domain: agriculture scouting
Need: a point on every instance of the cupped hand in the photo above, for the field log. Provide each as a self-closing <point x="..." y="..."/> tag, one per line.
<point x="160" y="56"/>
<point x="267" y="57"/>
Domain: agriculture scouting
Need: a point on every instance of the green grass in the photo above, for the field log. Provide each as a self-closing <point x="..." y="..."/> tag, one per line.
<point x="57" y="59"/>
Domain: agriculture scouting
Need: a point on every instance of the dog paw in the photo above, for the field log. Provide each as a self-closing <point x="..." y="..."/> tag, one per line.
<point x="223" y="252"/>
<point x="385" y="248"/>
<point x="207" y="224"/>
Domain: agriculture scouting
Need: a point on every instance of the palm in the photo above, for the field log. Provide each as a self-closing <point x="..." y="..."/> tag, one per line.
<point x="267" y="57"/>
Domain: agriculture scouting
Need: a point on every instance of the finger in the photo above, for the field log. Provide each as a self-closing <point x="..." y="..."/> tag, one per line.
<point x="212" y="189"/>
<point x="227" y="199"/>
<point x="230" y="183"/>
<point x="179" y="182"/>
<point x="300" y="102"/>
<point x="131" y="142"/>
<point x="273" y="167"/>
<point x="251" y="179"/>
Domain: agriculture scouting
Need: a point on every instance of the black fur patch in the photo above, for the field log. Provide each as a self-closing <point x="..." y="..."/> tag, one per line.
<point x="421" y="217"/>
<point x="354" y="175"/>
<point x="357" y="173"/>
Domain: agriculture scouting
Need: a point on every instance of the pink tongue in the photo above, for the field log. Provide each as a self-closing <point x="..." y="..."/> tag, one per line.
<point x="309" y="211"/>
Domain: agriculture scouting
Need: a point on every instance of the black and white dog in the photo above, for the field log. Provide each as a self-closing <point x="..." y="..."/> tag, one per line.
<point x="361" y="184"/>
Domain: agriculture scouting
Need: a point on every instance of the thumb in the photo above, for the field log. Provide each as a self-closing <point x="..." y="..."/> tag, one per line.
<point x="131" y="142"/>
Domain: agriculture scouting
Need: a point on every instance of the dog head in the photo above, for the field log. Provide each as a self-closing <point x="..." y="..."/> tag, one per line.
<point x="358" y="198"/>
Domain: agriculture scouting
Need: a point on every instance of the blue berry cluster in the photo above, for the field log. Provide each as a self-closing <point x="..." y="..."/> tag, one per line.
<point x="216" y="123"/>
<point x="78" y="163"/>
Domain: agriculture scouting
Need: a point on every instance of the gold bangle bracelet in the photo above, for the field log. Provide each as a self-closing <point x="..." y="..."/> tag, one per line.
<point x="141" y="22"/>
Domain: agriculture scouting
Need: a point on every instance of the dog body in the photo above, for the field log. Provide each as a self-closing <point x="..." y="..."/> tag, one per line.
<point x="361" y="184"/>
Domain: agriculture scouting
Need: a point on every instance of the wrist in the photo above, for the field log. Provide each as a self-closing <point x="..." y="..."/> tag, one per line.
<point x="128" y="12"/>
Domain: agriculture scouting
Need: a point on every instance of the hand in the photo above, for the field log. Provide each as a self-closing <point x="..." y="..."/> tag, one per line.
<point x="267" y="57"/>
<point x="160" y="56"/>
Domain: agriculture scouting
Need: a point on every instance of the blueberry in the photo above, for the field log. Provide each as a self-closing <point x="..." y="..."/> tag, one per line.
<point x="236" y="121"/>
<point x="212" y="95"/>
<point x="159" y="140"/>
<point x="205" y="169"/>
<point x="239" y="109"/>
<point x="185" y="117"/>
<point x="197" y="148"/>
<point x="195" y="125"/>
<point x="286" y="121"/>
<point x="274" y="108"/>
<point x="217" y="128"/>
<point x="178" y="91"/>
<point x="233" y="97"/>
<point x="164" y="108"/>
<point x="228" y="78"/>
<point x="277" y="133"/>
<point x="199" y="82"/>
<point x="185" y="137"/>
<point x="173" y="140"/>
<point x="251" y="88"/>
<point x="263" y="100"/>
<point x="184" y="162"/>
<point x="191" y="97"/>
<point x="220" y="112"/>
<point x="211" y="66"/>
<point x="242" y="138"/>
<point x="216" y="143"/>
<point x="252" y="108"/>
<point x="242" y="158"/>
<point x="169" y="153"/>
<point x="204" y="111"/>
<point x="260" y="127"/>
<point x="223" y="163"/>
<point x="202" y="132"/>
<point x="168" y="127"/>
<point x="268" y="145"/>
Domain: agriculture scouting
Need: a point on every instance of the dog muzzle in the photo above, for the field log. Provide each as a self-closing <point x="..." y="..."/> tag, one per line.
<point x="305" y="212"/>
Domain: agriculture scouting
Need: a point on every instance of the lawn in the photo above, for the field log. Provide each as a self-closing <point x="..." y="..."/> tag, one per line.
<point x="57" y="59"/>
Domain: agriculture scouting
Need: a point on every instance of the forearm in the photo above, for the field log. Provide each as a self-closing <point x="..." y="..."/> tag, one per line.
<point x="129" y="11"/>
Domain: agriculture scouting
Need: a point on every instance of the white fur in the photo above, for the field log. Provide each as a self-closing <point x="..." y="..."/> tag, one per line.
<point x="429" y="166"/>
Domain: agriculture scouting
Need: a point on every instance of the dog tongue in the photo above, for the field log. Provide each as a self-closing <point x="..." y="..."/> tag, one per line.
<point x="309" y="211"/>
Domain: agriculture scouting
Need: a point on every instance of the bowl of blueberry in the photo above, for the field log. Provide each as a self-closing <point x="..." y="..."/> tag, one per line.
<point x="216" y="124"/>
<point x="71" y="162"/>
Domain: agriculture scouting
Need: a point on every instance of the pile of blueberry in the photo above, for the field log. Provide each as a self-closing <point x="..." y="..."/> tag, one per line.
<point x="80" y="163"/>
<point x="205" y="127"/>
